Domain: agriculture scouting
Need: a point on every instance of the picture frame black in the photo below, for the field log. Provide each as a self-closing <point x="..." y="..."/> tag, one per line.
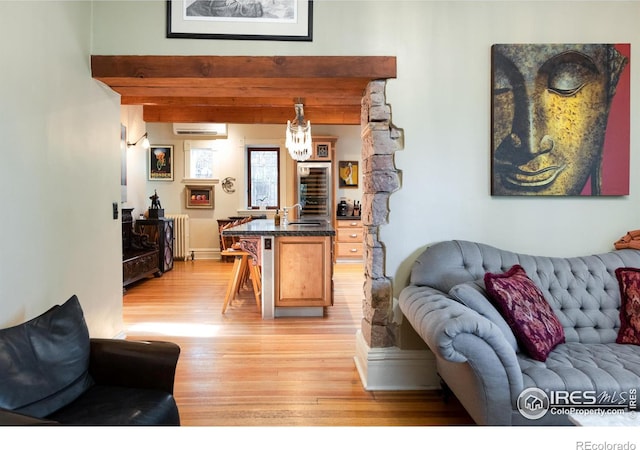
<point x="291" y="21"/>
<point x="160" y="163"/>
<point x="322" y="150"/>
<point x="348" y="174"/>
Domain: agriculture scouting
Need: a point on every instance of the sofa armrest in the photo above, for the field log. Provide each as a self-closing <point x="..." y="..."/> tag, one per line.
<point x="458" y="334"/>
<point x="139" y="364"/>
<point x="10" y="418"/>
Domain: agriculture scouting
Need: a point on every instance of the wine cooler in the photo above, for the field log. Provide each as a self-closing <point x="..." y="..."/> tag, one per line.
<point x="314" y="189"/>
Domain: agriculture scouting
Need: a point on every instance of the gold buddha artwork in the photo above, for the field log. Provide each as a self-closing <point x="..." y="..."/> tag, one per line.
<point x="551" y="107"/>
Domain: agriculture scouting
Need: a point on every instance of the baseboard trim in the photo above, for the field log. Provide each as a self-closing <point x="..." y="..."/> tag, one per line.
<point x="205" y="253"/>
<point x="394" y="369"/>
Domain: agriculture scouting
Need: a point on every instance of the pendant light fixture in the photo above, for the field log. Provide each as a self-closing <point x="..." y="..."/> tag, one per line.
<point x="298" y="136"/>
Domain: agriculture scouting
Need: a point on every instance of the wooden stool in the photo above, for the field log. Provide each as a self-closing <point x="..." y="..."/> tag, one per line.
<point x="243" y="269"/>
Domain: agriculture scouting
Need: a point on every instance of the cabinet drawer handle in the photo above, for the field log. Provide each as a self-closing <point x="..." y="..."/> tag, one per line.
<point x="354" y="235"/>
<point x="354" y="224"/>
<point x="354" y="250"/>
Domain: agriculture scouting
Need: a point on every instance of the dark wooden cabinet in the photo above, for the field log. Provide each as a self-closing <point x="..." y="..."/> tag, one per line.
<point x="160" y="232"/>
<point x="139" y="255"/>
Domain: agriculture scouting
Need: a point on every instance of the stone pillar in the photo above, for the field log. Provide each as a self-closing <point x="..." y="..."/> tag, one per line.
<point x="380" y="139"/>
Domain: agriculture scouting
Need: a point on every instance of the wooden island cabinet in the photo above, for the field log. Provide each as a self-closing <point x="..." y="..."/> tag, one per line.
<point x="296" y="265"/>
<point x="303" y="271"/>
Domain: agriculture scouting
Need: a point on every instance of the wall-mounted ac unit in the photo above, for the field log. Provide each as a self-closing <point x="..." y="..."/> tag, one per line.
<point x="218" y="130"/>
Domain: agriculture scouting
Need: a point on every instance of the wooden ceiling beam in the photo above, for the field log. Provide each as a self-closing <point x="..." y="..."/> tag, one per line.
<point x="201" y="67"/>
<point x="254" y="102"/>
<point x="276" y="115"/>
<point x="243" y="89"/>
<point x="287" y="93"/>
<point x="240" y="82"/>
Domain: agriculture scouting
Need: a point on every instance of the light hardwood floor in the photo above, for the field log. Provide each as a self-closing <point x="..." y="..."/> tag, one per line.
<point x="239" y="370"/>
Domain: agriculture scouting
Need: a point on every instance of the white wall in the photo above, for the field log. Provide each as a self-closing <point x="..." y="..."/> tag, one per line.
<point x="60" y="169"/>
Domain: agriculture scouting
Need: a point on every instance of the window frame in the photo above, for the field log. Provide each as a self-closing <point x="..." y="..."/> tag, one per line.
<point x="256" y="148"/>
<point x="199" y="145"/>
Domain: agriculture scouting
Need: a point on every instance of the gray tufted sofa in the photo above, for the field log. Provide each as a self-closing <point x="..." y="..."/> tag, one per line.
<point x="477" y="355"/>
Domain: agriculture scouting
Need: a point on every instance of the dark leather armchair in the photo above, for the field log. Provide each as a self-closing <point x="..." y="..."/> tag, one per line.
<point x="52" y="373"/>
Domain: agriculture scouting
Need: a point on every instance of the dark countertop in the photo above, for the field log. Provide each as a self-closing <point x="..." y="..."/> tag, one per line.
<point x="265" y="227"/>
<point x="348" y="217"/>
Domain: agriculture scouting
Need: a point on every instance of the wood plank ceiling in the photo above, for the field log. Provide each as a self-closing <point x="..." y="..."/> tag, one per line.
<point x="243" y="89"/>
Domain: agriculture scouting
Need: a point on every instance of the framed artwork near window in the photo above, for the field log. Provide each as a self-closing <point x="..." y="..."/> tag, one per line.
<point x="161" y="163"/>
<point x="348" y="174"/>
<point x="273" y="20"/>
<point x="199" y="197"/>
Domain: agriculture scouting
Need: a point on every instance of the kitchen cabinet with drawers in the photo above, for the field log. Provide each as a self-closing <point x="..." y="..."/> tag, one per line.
<point x="349" y="240"/>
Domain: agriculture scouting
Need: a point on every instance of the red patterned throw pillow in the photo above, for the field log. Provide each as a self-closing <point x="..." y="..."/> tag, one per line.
<point x="525" y="309"/>
<point x="629" y="281"/>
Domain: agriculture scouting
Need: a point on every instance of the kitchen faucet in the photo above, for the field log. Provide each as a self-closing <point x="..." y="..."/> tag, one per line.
<point x="285" y="216"/>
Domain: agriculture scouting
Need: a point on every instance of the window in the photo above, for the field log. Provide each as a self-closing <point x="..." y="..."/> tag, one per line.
<point x="198" y="160"/>
<point x="264" y="176"/>
<point x="201" y="163"/>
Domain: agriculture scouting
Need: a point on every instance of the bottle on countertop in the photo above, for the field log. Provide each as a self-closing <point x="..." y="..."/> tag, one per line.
<point x="276" y="218"/>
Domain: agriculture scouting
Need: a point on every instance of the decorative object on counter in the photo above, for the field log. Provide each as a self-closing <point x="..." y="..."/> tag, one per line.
<point x="342" y="208"/>
<point x="161" y="163"/>
<point x="276" y="218"/>
<point x="199" y="197"/>
<point x="348" y="174"/>
<point x="356" y="209"/>
<point x="155" y="210"/>
<point x="228" y="185"/>
<point x="298" y="136"/>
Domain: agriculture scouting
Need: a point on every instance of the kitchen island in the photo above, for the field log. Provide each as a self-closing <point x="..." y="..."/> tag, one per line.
<point x="296" y="262"/>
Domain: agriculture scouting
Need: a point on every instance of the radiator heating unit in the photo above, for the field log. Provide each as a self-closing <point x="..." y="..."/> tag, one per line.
<point x="181" y="250"/>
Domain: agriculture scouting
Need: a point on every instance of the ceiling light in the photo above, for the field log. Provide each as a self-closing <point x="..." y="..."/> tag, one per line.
<point x="298" y="136"/>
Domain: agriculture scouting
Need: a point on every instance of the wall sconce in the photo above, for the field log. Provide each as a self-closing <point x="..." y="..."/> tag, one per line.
<point x="145" y="142"/>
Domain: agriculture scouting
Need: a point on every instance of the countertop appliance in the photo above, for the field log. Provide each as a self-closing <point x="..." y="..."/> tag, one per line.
<point x="342" y="208"/>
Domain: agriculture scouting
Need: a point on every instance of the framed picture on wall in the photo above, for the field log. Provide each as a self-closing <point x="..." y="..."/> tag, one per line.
<point x="199" y="197"/>
<point x="322" y="150"/>
<point x="570" y="137"/>
<point x="273" y="20"/>
<point x="348" y="174"/>
<point x="161" y="163"/>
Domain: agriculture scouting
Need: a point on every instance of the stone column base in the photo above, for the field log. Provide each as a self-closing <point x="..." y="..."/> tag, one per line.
<point x="394" y="369"/>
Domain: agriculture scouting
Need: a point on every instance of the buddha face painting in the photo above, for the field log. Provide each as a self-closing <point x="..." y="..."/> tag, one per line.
<point x="550" y="107"/>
